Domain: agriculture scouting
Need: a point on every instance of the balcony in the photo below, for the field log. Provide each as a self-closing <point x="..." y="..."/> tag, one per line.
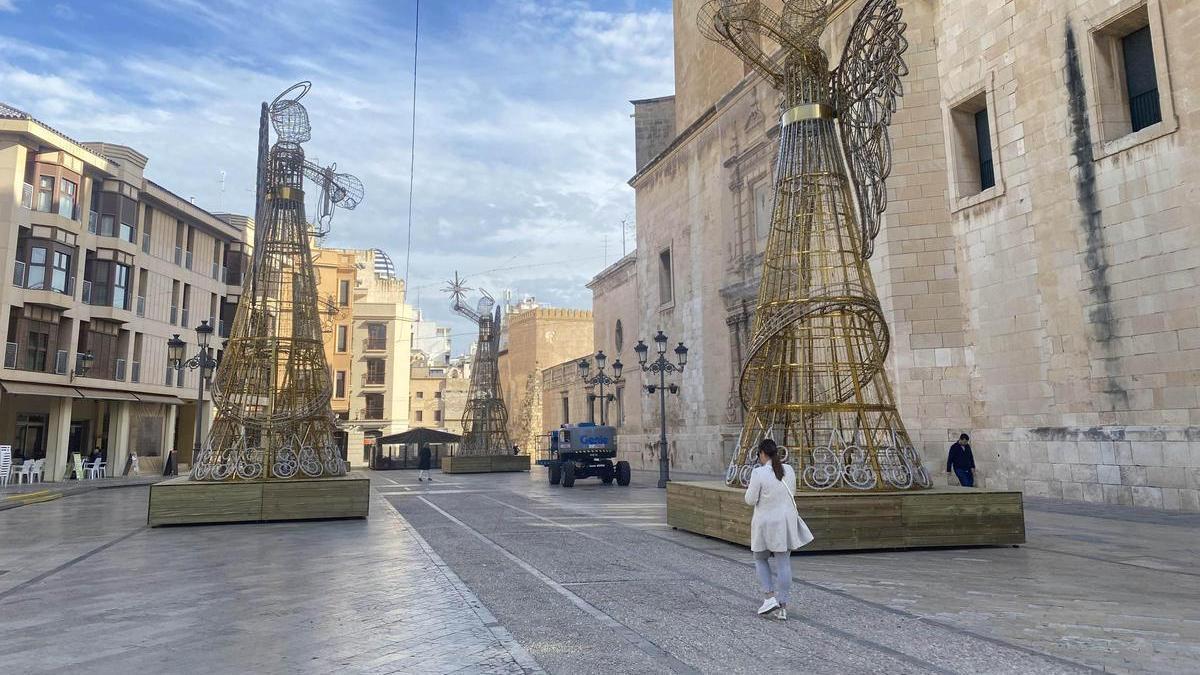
<point x="375" y="345"/>
<point x="371" y="413"/>
<point x="92" y="226"/>
<point x="174" y="315"/>
<point x="119" y="370"/>
<point x="60" y="362"/>
<point x="178" y="254"/>
<point x="141" y="305"/>
<point x="19" y="274"/>
<point x="216" y="271"/>
<point x="145" y="242"/>
<point x="10" y="355"/>
<point x="183" y="318"/>
<point x="135" y="371"/>
<point x="373" y="379"/>
<point x="187" y="260"/>
<point x="86" y="296"/>
<point x="27" y="196"/>
<point x="12" y="360"/>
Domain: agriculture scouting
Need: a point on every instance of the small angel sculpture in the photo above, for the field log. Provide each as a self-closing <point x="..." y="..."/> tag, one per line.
<point x="814" y="379"/>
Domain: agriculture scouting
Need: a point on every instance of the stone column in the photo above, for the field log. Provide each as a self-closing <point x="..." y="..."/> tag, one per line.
<point x="58" y="433"/>
<point x="118" y="436"/>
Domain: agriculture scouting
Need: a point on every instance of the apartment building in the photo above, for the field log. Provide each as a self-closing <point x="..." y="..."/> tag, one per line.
<point x="99" y="268"/>
<point x="368" y="342"/>
<point x="438" y="392"/>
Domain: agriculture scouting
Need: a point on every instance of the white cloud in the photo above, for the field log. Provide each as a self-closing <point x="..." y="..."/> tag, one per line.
<point x="524" y="141"/>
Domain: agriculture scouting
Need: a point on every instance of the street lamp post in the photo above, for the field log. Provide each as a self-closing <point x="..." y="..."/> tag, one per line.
<point x="601" y="379"/>
<point x="662" y="366"/>
<point x="206" y="364"/>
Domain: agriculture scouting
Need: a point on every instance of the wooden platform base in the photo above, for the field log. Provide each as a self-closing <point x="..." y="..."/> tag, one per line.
<point x="944" y="516"/>
<point x="182" y="501"/>
<point x="485" y="463"/>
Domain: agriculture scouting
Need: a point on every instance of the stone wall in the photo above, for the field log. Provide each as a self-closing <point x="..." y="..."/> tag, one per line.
<point x="1055" y="316"/>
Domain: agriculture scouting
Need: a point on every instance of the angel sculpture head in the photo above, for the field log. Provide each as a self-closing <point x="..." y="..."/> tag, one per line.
<point x="861" y="93"/>
<point x="289" y="117"/>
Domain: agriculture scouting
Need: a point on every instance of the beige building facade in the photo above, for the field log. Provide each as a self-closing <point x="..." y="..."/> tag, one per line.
<point x="99" y="267"/>
<point x="533" y="338"/>
<point x="368" y="343"/>
<point x="1036" y="264"/>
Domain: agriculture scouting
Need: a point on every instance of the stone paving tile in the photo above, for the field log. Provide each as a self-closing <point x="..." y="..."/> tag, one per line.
<point x="344" y="596"/>
<point x="1111" y="589"/>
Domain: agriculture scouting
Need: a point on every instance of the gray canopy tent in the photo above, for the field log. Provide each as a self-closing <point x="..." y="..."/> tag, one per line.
<point x="403" y="451"/>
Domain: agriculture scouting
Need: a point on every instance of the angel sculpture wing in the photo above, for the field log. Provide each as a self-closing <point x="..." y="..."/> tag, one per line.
<point x="865" y="87"/>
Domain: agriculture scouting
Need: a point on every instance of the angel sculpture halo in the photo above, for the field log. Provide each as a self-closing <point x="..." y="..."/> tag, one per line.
<point x="814" y="378"/>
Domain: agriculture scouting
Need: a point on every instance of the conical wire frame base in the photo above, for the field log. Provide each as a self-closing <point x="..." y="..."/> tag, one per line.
<point x="485" y="418"/>
<point x="815" y="380"/>
<point x="272" y="391"/>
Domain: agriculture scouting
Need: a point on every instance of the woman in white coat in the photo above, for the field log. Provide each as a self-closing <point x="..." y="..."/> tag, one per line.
<point x="776" y="528"/>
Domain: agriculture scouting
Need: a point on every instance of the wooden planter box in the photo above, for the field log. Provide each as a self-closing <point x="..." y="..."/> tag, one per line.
<point x="485" y="463"/>
<point x="182" y="501"/>
<point x="840" y="521"/>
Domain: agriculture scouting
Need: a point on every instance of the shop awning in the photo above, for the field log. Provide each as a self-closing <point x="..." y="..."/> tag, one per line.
<point x="105" y="394"/>
<point x="155" y="398"/>
<point x="32" y="389"/>
<point x="419" y="436"/>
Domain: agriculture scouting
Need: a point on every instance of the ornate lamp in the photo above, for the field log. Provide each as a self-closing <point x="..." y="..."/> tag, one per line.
<point x="643" y="352"/>
<point x="175" y="351"/>
<point x="681" y="355"/>
<point x="660" y="343"/>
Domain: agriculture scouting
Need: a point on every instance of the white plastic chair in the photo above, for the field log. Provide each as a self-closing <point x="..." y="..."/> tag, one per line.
<point x="96" y="469"/>
<point x="5" y="464"/>
<point x="23" y="472"/>
<point x="37" y="470"/>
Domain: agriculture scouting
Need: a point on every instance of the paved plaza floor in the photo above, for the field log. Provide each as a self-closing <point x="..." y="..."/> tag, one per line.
<point x="504" y="573"/>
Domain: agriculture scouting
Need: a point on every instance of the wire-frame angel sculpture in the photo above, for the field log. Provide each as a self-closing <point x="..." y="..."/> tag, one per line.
<point x="814" y="380"/>
<point x="272" y="389"/>
<point x="485" y="418"/>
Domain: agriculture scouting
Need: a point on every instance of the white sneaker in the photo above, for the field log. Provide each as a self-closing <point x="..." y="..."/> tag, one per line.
<point x="768" y="605"/>
<point x="781" y="614"/>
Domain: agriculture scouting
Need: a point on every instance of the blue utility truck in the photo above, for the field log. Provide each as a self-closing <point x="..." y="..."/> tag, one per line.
<point x="582" y="451"/>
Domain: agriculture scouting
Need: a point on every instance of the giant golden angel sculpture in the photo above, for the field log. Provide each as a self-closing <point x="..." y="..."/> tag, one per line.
<point x="814" y="380"/>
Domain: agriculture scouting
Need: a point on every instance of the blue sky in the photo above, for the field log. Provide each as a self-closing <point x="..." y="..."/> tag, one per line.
<point x="524" y="140"/>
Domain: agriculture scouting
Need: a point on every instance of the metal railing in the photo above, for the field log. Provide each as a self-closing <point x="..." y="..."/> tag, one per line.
<point x="222" y="328"/>
<point x="119" y="370"/>
<point x="145" y="242"/>
<point x="178" y="254"/>
<point x="174" y="314"/>
<point x="170" y="375"/>
<point x="188" y="260"/>
<point x="19" y="274"/>
<point x="374" y="379"/>
<point x="27" y="196"/>
<point x="1144" y="110"/>
<point x="375" y="345"/>
<point x="371" y="413"/>
<point x="183" y="317"/>
<point x="10" y="354"/>
<point x="92" y="218"/>
<point x="86" y="295"/>
<point x="141" y="305"/>
<point x="60" y="361"/>
<point x="179" y="377"/>
<point x="135" y="371"/>
<point x="216" y="271"/>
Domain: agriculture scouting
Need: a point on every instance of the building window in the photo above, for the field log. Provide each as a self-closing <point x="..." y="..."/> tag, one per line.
<point x="762" y="210"/>
<point x="45" y="193"/>
<point x="983" y="143"/>
<point x="566" y="410"/>
<point x="665" y="291"/>
<point x="340" y="344"/>
<point x="107" y="226"/>
<point x="1141" y="80"/>
<point x="437" y="415"/>
<point x="376" y="336"/>
<point x="66" y="198"/>
<point x="619" y="336"/>
<point x="36" y="277"/>
<point x="419" y="416"/>
<point x="343" y="293"/>
<point x="971" y="126"/>
<point x="420" y="394"/>
<point x="36" y="349"/>
<point x="110" y="284"/>
<point x="376" y="371"/>
<point x="127" y="232"/>
<point x="374" y="409"/>
<point x="437" y="394"/>
<point x="339" y="384"/>
<point x="61" y="274"/>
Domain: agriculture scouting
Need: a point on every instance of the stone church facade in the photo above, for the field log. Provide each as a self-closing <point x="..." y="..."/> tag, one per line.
<point x="1038" y="264"/>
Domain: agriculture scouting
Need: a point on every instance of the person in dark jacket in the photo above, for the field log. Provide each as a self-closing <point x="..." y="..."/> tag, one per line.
<point x="424" y="463"/>
<point x="962" y="462"/>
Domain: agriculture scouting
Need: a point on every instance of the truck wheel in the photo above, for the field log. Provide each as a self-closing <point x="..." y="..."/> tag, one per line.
<point x="555" y="474"/>
<point x="568" y="474"/>
<point x="607" y="474"/>
<point x="622" y="473"/>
